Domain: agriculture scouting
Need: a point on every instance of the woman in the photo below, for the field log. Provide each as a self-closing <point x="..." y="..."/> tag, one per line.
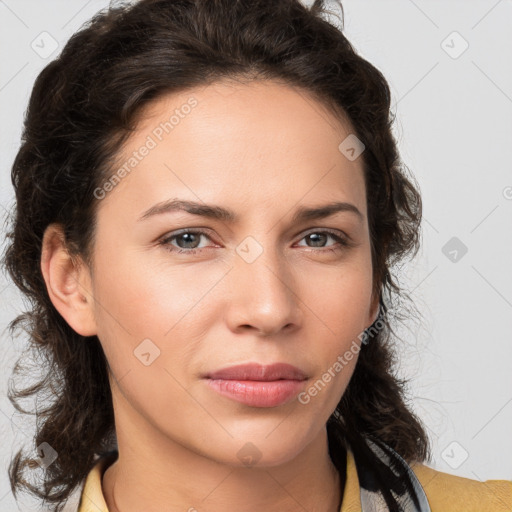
<point x="209" y="201"/>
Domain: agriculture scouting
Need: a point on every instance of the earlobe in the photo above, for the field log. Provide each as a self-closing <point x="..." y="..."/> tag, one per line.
<point x="68" y="282"/>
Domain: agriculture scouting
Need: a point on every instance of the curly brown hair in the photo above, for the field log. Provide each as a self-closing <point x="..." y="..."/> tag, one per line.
<point x="84" y="106"/>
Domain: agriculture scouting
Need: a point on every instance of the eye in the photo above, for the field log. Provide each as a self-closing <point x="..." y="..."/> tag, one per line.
<point x="320" y="237"/>
<point x="188" y="241"/>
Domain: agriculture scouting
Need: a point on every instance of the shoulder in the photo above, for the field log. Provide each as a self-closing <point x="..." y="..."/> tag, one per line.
<point x="455" y="493"/>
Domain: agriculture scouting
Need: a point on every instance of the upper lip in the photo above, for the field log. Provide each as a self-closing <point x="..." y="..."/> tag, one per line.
<point x="260" y="372"/>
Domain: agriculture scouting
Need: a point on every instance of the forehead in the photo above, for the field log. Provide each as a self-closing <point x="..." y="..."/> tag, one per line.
<point x="258" y="138"/>
<point x="247" y="107"/>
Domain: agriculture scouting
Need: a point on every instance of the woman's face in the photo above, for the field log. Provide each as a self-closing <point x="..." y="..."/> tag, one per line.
<point x="259" y="287"/>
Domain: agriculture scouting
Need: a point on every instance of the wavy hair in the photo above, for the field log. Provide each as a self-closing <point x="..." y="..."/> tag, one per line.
<point x="85" y="104"/>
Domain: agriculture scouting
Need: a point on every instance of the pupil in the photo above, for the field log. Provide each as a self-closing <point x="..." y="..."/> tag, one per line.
<point x="316" y="237"/>
<point x="188" y="235"/>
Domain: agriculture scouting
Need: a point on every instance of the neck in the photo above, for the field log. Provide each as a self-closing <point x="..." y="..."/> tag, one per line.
<point x="154" y="472"/>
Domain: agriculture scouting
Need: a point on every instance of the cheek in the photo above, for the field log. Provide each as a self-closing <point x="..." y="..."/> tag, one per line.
<point x="148" y="327"/>
<point x="339" y="299"/>
<point x="149" y="311"/>
<point x="326" y="389"/>
<point x="147" y="296"/>
<point x="339" y="314"/>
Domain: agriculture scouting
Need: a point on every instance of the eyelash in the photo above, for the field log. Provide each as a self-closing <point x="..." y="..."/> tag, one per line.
<point x="165" y="242"/>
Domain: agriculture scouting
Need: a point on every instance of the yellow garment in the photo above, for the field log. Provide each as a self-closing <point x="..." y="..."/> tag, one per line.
<point x="445" y="492"/>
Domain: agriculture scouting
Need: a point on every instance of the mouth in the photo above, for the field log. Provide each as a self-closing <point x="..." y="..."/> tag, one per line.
<point x="259" y="372"/>
<point x="258" y="385"/>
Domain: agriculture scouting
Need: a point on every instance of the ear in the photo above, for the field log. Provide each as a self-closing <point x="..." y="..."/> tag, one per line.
<point x="374" y="311"/>
<point x="68" y="282"/>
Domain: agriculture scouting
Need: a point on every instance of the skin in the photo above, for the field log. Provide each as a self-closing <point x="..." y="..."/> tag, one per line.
<point x="261" y="149"/>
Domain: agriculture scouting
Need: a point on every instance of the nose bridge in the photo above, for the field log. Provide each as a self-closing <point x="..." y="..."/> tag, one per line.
<point x="264" y="295"/>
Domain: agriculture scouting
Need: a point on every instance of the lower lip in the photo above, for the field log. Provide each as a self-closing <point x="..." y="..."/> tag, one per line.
<point x="257" y="393"/>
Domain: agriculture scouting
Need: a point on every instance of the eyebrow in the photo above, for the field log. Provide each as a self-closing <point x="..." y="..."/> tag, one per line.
<point x="224" y="214"/>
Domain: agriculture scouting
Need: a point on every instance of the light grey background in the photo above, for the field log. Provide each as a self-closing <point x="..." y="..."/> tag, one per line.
<point x="454" y="127"/>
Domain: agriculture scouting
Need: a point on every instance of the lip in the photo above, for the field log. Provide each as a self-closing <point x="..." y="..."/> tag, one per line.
<point x="259" y="372"/>
<point x="258" y="385"/>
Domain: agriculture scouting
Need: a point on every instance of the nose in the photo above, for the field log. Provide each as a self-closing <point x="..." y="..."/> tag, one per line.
<point x="263" y="295"/>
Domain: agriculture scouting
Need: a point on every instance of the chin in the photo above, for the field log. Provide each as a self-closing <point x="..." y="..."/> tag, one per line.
<point x="269" y="448"/>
